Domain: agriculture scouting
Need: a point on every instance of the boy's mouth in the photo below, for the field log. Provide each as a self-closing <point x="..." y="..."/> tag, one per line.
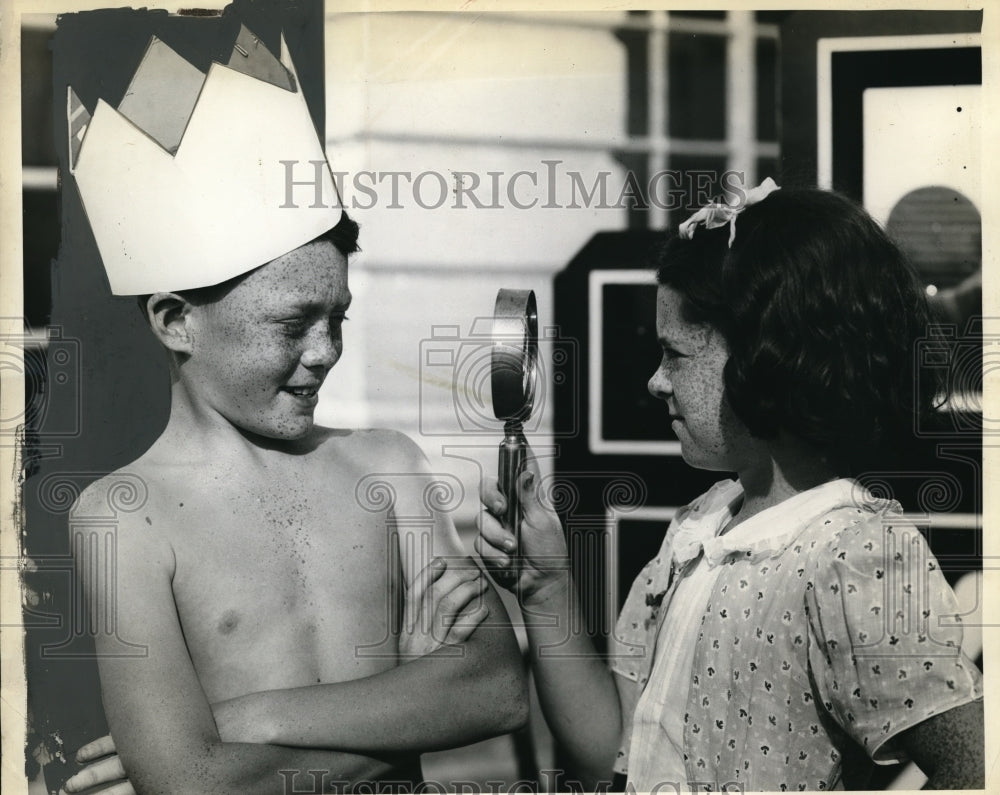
<point x="302" y="391"/>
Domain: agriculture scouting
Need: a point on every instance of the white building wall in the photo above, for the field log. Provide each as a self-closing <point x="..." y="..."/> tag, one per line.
<point x="435" y="95"/>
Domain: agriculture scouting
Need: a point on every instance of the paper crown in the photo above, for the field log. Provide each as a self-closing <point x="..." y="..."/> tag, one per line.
<point x="197" y="178"/>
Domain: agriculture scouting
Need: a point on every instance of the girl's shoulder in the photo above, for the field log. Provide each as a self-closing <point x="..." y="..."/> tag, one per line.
<point x="861" y="536"/>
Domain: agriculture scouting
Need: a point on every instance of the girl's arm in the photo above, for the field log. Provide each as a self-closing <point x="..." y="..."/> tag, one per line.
<point x="896" y="615"/>
<point x="949" y="748"/>
<point x="578" y="693"/>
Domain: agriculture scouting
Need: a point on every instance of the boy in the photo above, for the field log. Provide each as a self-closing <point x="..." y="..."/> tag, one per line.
<point x="265" y="590"/>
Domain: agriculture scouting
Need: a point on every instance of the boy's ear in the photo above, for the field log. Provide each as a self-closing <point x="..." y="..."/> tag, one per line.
<point x="169" y="317"/>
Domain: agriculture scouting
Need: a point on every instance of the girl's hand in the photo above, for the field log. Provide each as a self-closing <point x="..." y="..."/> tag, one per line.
<point x="103" y="769"/>
<point x="543" y="561"/>
<point x="444" y="605"/>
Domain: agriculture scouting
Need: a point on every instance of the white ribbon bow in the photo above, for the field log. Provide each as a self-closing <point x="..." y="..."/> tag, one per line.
<point x="719" y="214"/>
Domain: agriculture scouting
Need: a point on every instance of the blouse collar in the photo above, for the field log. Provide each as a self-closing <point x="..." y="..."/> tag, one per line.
<point x="769" y="532"/>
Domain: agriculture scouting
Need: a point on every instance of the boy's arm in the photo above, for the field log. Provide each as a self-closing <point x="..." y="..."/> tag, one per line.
<point x="949" y="748"/>
<point x="441" y="700"/>
<point x="160" y="717"/>
<point x="454" y="696"/>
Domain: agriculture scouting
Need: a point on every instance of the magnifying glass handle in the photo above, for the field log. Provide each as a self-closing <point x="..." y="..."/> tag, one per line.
<point x="513" y="455"/>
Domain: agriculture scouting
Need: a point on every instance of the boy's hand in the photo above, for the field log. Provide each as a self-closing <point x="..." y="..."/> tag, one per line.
<point x="543" y="565"/>
<point x="443" y="607"/>
<point x="103" y="769"/>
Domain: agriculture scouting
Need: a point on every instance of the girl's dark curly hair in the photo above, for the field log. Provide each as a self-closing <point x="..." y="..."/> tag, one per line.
<point x="821" y="314"/>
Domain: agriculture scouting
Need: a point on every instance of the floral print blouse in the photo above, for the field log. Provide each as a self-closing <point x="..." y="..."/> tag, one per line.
<point x="837" y="629"/>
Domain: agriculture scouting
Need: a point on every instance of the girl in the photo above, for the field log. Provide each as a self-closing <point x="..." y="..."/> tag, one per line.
<point x="790" y="621"/>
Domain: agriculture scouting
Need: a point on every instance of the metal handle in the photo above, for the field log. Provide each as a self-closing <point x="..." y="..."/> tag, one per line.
<point x="513" y="457"/>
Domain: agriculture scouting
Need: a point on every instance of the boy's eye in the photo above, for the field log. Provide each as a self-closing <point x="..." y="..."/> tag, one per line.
<point x="298" y="326"/>
<point x="293" y="325"/>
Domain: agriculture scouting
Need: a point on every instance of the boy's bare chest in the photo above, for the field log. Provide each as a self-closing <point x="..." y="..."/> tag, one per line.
<point x="281" y="583"/>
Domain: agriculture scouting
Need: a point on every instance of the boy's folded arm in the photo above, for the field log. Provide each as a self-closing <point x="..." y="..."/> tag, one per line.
<point x="160" y="718"/>
<point x="454" y="696"/>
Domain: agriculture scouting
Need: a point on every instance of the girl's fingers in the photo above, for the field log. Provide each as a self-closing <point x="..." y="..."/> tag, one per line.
<point x="496" y="534"/>
<point x="491" y="496"/>
<point x="492" y="556"/>
<point x="95" y="750"/>
<point x="527" y="490"/>
<point x="104" y="771"/>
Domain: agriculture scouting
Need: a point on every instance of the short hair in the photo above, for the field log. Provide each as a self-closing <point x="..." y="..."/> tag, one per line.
<point x="343" y="235"/>
<point x="821" y="313"/>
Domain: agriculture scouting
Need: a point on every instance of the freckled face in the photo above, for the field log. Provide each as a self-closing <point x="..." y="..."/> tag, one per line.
<point x="262" y="352"/>
<point x="689" y="379"/>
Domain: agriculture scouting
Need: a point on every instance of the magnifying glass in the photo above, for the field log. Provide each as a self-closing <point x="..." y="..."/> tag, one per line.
<point x="512" y="382"/>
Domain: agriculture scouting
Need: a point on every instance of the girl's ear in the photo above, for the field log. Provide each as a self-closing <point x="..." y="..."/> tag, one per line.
<point x="169" y="317"/>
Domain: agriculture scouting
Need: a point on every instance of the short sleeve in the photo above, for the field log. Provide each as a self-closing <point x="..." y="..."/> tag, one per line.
<point x="885" y="631"/>
<point x="631" y="644"/>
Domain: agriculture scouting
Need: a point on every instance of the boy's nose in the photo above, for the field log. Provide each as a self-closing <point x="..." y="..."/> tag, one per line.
<point x="323" y="351"/>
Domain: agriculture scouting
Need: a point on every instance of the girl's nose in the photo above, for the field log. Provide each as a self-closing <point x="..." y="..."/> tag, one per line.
<point x="659" y="385"/>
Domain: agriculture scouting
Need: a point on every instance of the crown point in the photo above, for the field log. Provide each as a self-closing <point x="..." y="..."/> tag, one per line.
<point x="77" y="121"/>
<point x="225" y="200"/>
<point x="252" y="58"/>
<point x="286" y="61"/>
<point x="162" y="95"/>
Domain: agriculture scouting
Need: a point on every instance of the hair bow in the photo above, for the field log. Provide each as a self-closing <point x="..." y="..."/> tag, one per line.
<point x="719" y="214"/>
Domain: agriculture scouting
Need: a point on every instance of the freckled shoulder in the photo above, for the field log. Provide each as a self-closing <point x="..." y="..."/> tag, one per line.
<point x="117" y="507"/>
<point x="382" y="450"/>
